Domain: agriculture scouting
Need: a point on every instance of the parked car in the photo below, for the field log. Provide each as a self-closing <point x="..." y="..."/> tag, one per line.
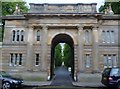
<point x="9" y="82"/>
<point x="111" y="77"/>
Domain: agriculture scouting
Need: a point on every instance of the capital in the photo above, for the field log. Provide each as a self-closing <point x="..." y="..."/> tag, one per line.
<point x="80" y="27"/>
<point x="44" y="26"/>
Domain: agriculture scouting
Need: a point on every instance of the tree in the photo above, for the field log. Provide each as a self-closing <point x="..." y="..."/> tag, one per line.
<point x="114" y="5"/>
<point x="8" y="8"/>
<point x="58" y="55"/>
<point x="67" y="51"/>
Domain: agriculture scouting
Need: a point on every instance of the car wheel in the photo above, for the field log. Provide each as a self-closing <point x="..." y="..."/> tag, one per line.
<point x="118" y="85"/>
<point x="6" y="85"/>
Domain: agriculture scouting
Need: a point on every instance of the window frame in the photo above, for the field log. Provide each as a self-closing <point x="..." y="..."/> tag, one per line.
<point x="37" y="59"/>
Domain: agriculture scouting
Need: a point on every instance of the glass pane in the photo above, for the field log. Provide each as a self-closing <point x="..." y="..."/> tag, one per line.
<point x="38" y="35"/>
<point x="114" y="72"/>
<point x="13" y="36"/>
<point x="22" y="35"/>
<point x="87" y="36"/>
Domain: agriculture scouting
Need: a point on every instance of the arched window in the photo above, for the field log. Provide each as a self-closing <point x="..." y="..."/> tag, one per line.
<point x="13" y="35"/>
<point x="103" y="37"/>
<point x="22" y="35"/>
<point x="108" y="36"/>
<point x="112" y="37"/>
<point x="87" y="36"/>
<point x="38" y="35"/>
<point x="11" y="59"/>
<point x="18" y="35"/>
<point x="20" y="59"/>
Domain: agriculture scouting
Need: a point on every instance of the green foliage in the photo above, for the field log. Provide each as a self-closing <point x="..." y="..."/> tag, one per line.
<point x="58" y="55"/>
<point x="9" y="7"/>
<point x="115" y="7"/>
<point x="1" y="35"/>
<point x="67" y="51"/>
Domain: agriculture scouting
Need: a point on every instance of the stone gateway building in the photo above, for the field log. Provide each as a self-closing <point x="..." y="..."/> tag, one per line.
<point x="30" y="39"/>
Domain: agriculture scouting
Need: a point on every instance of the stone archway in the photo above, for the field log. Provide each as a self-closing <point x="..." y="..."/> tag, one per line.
<point x="61" y="38"/>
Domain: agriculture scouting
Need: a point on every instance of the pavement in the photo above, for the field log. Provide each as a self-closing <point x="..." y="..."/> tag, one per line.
<point x="63" y="78"/>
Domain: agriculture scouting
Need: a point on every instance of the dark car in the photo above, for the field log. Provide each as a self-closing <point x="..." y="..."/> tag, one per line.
<point x="9" y="82"/>
<point x="111" y="77"/>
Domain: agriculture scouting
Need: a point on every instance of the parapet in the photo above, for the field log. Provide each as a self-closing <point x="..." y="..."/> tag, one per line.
<point x="63" y="8"/>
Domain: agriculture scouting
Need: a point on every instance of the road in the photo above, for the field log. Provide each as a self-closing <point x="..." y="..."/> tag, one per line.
<point x="62" y="77"/>
<point x="61" y="87"/>
<point x="62" y="80"/>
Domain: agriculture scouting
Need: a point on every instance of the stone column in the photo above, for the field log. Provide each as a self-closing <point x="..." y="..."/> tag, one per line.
<point x="80" y="49"/>
<point x="29" y="49"/>
<point x="44" y="48"/>
<point x="95" y="49"/>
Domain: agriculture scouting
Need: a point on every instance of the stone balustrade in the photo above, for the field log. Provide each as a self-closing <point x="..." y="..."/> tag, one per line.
<point x="63" y="8"/>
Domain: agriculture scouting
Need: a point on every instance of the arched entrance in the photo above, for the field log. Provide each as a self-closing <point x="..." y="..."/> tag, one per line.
<point x="61" y="38"/>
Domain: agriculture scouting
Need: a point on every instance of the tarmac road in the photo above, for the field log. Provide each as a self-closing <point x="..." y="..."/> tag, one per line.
<point x="61" y="87"/>
<point x="62" y="80"/>
<point x="62" y="77"/>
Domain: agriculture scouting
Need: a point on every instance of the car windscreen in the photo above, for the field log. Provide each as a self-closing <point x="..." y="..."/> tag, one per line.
<point x="114" y="72"/>
<point x="106" y="72"/>
<point x="4" y="74"/>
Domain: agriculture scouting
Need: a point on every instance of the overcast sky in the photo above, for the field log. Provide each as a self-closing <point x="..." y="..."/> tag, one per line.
<point x="99" y="2"/>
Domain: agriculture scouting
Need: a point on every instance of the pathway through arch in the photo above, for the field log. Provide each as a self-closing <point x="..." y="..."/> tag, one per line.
<point x="62" y="77"/>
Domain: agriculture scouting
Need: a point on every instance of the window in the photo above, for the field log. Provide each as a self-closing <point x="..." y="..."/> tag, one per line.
<point x="103" y="37"/>
<point x="37" y="60"/>
<point x="87" y="36"/>
<point x="105" y="61"/>
<point x="22" y="35"/>
<point x="11" y="59"/>
<point x="112" y="37"/>
<point x="114" y="60"/>
<point x="20" y="59"/>
<point x="18" y="35"/>
<point x="108" y="36"/>
<point x="15" y="59"/>
<point x="13" y="35"/>
<point x="38" y="35"/>
<point x="87" y="61"/>
<point x="110" y="60"/>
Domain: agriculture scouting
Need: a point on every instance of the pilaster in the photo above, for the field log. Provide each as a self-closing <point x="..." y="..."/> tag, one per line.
<point x="29" y="49"/>
<point x="95" y="49"/>
<point x="80" y="48"/>
<point x="44" y="48"/>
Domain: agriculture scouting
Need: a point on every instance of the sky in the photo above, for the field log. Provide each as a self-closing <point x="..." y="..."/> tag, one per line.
<point x="99" y="2"/>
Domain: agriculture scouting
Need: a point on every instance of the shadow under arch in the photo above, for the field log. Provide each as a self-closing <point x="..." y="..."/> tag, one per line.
<point x="61" y="38"/>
